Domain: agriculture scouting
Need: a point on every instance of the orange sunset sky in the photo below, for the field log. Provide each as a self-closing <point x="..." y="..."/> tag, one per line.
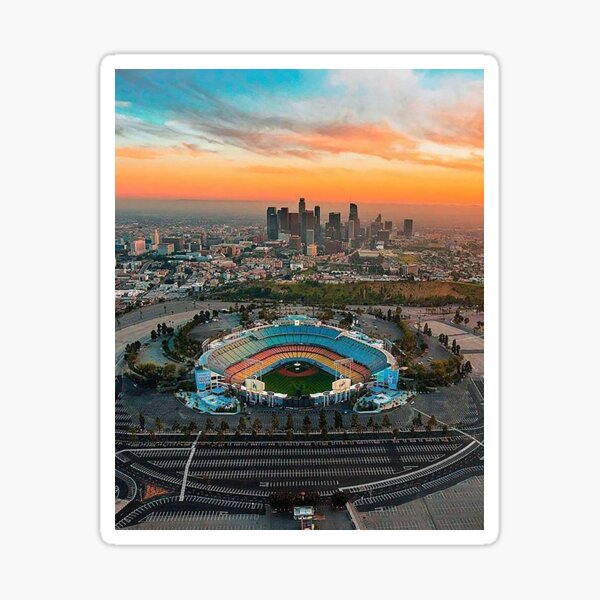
<point x="371" y="136"/>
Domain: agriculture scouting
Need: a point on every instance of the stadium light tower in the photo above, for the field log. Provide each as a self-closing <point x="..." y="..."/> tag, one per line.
<point x="344" y="368"/>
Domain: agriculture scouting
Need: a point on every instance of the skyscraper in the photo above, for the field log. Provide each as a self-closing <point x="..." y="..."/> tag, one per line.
<point x="351" y="231"/>
<point x="317" y="223"/>
<point x="283" y="219"/>
<point x="301" y="211"/>
<point x="156" y="237"/>
<point x="388" y="226"/>
<point x="408" y="227"/>
<point x="272" y="227"/>
<point x="354" y="229"/>
<point x="334" y="225"/>
<point x="294" y="222"/>
<point x="307" y="221"/>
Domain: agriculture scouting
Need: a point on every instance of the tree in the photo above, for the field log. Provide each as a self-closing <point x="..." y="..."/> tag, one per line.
<point x="159" y="425"/>
<point x="370" y="422"/>
<point x="289" y="424"/>
<point x="210" y="424"/>
<point x="432" y="421"/>
<point x="142" y="422"/>
<point x="242" y="424"/>
<point x="396" y="433"/>
<point x="281" y="500"/>
<point x="224" y="426"/>
<point x="322" y="420"/>
<point x="153" y="335"/>
<point x="338" y="420"/>
<point x="307" y="425"/>
<point x="132" y="433"/>
<point x="386" y="422"/>
<point x="274" y="422"/>
<point x="256" y="425"/>
<point x="289" y="435"/>
<point x="354" y="421"/>
<point x="339" y="499"/>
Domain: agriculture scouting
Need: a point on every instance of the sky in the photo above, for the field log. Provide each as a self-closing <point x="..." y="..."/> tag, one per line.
<point x="366" y="136"/>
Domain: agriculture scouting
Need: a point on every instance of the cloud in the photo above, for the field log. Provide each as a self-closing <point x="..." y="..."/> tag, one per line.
<point x="389" y="115"/>
<point x="151" y="152"/>
<point x="136" y="152"/>
<point x="122" y="104"/>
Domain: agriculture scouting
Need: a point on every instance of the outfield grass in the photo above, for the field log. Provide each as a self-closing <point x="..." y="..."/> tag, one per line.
<point x="278" y="382"/>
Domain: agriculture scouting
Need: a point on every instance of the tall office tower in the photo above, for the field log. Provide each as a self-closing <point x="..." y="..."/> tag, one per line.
<point x="307" y="222"/>
<point x="334" y="225"/>
<point x="388" y="226"/>
<point x="376" y="225"/>
<point x="294" y="223"/>
<point x="301" y="211"/>
<point x="310" y="236"/>
<point x="335" y="220"/>
<point x="351" y="230"/>
<point x="317" y="223"/>
<point x="353" y="218"/>
<point x="283" y="219"/>
<point x="156" y="237"/>
<point x="408" y="227"/>
<point x="272" y="228"/>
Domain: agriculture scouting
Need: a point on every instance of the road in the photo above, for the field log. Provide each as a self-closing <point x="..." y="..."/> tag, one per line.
<point x="166" y="310"/>
<point x="141" y="331"/>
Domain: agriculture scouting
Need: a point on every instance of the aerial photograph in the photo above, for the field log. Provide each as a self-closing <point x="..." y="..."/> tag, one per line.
<point x="299" y="299"/>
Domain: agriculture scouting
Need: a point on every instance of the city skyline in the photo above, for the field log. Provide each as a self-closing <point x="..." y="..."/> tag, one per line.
<point x="390" y="137"/>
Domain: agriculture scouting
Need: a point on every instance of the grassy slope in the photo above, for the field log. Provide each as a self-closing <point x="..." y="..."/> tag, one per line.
<point x="424" y="293"/>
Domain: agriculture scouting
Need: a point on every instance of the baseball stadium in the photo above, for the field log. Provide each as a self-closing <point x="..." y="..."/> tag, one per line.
<point x="294" y="362"/>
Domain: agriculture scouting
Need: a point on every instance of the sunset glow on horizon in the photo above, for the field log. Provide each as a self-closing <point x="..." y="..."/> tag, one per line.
<point x="374" y="136"/>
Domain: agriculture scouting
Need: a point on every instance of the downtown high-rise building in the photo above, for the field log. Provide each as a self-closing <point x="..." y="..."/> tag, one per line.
<point x="301" y="211"/>
<point x="294" y="224"/>
<point x="301" y="205"/>
<point x="272" y="226"/>
<point x="307" y="221"/>
<point x="408" y="227"/>
<point x="283" y="219"/>
<point x="353" y="222"/>
<point x="317" y="223"/>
